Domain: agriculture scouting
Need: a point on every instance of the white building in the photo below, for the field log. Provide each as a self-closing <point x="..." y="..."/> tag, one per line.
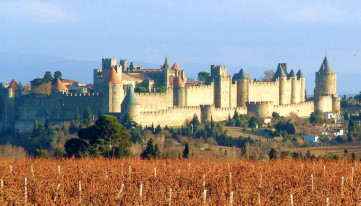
<point x="311" y="138"/>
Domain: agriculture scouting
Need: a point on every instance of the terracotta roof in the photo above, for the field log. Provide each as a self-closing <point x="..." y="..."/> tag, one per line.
<point x="132" y="77"/>
<point x="59" y="86"/>
<point x="178" y="81"/>
<point x="113" y="77"/>
<point x="13" y="84"/>
<point x="176" y="66"/>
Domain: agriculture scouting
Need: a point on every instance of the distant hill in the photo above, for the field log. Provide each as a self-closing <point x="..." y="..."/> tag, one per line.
<point x="27" y="66"/>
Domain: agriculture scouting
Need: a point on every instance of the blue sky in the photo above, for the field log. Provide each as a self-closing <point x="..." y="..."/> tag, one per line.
<point x="239" y="33"/>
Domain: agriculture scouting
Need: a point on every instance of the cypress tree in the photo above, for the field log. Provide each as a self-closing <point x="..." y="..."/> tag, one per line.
<point x="186" y="151"/>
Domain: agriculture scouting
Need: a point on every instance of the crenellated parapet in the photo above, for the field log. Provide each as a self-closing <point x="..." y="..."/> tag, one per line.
<point x="262" y="109"/>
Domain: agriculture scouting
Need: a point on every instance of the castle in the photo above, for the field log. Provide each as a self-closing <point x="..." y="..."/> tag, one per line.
<point x="217" y="99"/>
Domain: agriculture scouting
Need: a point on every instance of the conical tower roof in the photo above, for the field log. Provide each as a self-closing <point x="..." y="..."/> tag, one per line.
<point x="165" y="65"/>
<point x="176" y="66"/>
<point x="130" y="98"/>
<point x="178" y="81"/>
<point x="326" y="66"/>
<point x="42" y="111"/>
<point x="291" y="74"/>
<point x="13" y="84"/>
<point x="112" y="77"/>
<point x="300" y="74"/>
<point x="279" y="73"/>
<point x="242" y="75"/>
<point x="58" y="86"/>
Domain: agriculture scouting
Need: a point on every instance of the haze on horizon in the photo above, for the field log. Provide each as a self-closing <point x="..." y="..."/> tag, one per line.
<point x="233" y="33"/>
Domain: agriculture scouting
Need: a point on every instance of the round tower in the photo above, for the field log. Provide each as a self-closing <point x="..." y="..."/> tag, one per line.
<point x="262" y="109"/>
<point x="131" y="106"/>
<point x="281" y="76"/>
<point x="326" y="80"/>
<point x="206" y="113"/>
<point x="179" y="93"/>
<point x="242" y="78"/>
<point x="113" y="92"/>
<point x="293" y="78"/>
<point x="302" y="79"/>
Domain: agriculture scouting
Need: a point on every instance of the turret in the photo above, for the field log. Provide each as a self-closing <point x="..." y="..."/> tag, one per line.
<point x="326" y="80"/>
<point x="326" y="98"/>
<point x="302" y="78"/>
<point x="294" y="87"/>
<point x="59" y="87"/>
<point x="131" y="106"/>
<point x="165" y="69"/>
<point x="179" y="92"/>
<point x="282" y="78"/>
<point x="242" y="78"/>
<point x="113" y="93"/>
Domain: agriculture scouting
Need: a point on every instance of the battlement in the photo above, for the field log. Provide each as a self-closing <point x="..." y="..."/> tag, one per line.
<point x="262" y="83"/>
<point x="294" y="105"/>
<point x="260" y="103"/>
<point x="200" y="87"/>
<point x="171" y="110"/>
<point x="151" y="93"/>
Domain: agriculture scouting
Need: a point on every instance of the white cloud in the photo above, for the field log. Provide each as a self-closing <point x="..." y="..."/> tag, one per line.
<point x="35" y="11"/>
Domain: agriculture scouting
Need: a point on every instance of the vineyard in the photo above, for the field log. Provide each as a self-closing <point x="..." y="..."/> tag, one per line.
<point x="178" y="182"/>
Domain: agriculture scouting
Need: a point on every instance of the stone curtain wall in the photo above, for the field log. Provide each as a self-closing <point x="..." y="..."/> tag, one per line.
<point x="155" y="101"/>
<point x="303" y="109"/>
<point x="264" y="91"/>
<point x="200" y="95"/>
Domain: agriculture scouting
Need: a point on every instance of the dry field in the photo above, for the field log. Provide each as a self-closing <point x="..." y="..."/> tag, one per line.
<point x="354" y="147"/>
<point x="178" y="182"/>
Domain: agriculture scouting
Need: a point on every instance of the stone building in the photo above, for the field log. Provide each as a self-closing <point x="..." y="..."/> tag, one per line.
<point x="219" y="97"/>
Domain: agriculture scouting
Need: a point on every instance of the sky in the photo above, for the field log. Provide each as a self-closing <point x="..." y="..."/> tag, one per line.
<point x="238" y="33"/>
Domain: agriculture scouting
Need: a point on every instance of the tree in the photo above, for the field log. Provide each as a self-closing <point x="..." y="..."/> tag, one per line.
<point x="273" y="154"/>
<point x="47" y="77"/>
<point x="41" y="153"/>
<point x="87" y="116"/>
<point x="35" y="129"/>
<point x="253" y="122"/>
<point x="203" y="76"/>
<point x="58" y="75"/>
<point x="186" y="151"/>
<point x="161" y="89"/>
<point x="151" y="151"/>
<point x="316" y="117"/>
<point x="76" y="147"/>
<point x="106" y="137"/>
<point x="268" y="75"/>
<point x="141" y="90"/>
<point x="195" y="122"/>
<point x="77" y="115"/>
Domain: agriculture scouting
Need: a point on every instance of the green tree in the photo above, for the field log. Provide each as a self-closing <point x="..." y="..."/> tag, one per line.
<point x="58" y="75"/>
<point x="35" y="129"/>
<point x="186" y="151"/>
<point x="87" y="116"/>
<point x="106" y="137"/>
<point x="149" y="151"/>
<point x="76" y="147"/>
<point x="273" y="154"/>
<point x="316" y="117"/>
<point x="41" y="153"/>
<point x="203" y="76"/>
<point x="77" y="115"/>
<point x="253" y="122"/>
<point x="195" y="122"/>
<point x="161" y="89"/>
<point x="141" y="90"/>
<point x="47" y="77"/>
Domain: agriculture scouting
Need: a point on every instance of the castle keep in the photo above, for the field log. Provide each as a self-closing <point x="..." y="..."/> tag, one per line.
<point x="220" y="96"/>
